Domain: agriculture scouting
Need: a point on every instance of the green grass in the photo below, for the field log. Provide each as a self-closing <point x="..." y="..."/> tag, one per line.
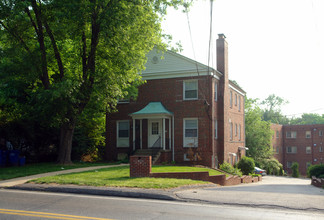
<point x="119" y="177"/>
<point x="167" y="169"/>
<point x="31" y="169"/>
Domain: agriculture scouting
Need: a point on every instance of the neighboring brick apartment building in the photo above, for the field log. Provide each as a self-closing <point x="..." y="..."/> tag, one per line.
<point x="298" y="143"/>
<point x="199" y="109"/>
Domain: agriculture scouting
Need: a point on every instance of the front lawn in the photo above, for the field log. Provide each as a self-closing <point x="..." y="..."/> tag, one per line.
<point x="119" y="177"/>
<point x="32" y="169"/>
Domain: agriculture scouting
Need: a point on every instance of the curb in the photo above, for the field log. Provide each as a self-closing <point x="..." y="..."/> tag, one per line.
<point x="100" y="191"/>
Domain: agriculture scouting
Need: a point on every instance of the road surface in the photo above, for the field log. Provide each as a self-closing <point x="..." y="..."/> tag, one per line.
<point x="15" y="204"/>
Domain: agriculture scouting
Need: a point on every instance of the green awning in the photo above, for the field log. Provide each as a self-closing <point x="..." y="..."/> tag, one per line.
<point x="153" y="108"/>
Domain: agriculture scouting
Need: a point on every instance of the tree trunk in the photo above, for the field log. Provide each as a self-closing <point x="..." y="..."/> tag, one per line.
<point x="66" y="136"/>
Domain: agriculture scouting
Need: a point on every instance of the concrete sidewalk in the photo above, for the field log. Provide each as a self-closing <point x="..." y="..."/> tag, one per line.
<point x="22" y="180"/>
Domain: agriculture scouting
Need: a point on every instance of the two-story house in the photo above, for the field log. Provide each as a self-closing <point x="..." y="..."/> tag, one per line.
<point x="187" y="111"/>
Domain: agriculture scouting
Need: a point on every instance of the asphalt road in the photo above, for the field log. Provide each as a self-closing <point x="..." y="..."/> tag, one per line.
<point x="273" y="192"/>
<point x="15" y="204"/>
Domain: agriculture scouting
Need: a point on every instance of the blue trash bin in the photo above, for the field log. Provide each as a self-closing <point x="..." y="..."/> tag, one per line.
<point x="22" y="161"/>
<point x="3" y="158"/>
<point x="14" y="157"/>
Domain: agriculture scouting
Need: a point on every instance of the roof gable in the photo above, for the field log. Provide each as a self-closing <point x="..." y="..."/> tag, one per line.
<point x="171" y="64"/>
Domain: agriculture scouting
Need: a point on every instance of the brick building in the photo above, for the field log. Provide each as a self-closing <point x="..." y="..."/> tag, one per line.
<point x="298" y="143"/>
<point x="186" y="111"/>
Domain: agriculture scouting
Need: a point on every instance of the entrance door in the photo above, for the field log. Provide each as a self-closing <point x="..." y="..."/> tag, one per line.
<point x="154" y="133"/>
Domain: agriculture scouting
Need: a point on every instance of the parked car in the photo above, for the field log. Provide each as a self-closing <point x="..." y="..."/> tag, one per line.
<point x="258" y="170"/>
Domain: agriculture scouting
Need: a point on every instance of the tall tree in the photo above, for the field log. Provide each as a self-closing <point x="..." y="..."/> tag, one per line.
<point x="58" y="57"/>
<point x="257" y="132"/>
<point x="272" y="109"/>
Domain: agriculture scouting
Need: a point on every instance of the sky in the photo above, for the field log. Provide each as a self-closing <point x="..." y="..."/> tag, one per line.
<point x="275" y="46"/>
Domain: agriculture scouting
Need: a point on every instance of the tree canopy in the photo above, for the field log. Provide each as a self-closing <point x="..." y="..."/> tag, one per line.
<point x="257" y="132"/>
<point x="59" y="57"/>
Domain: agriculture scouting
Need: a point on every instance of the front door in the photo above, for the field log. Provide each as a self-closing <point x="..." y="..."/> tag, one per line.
<point x="154" y="133"/>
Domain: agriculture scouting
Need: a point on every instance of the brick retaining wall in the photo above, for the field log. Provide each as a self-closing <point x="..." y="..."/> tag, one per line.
<point x="140" y="166"/>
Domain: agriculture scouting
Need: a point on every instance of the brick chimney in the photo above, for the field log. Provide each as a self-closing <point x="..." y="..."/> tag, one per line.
<point x="224" y="102"/>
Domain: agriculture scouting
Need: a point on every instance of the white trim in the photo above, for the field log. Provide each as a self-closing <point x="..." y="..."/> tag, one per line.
<point x="172" y="138"/>
<point x="141" y="133"/>
<point x="151" y="116"/>
<point x="236" y="90"/>
<point x="195" y="139"/>
<point x="118" y="139"/>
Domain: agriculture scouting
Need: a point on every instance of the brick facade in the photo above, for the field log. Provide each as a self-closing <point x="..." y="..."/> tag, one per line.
<point x="299" y="143"/>
<point x="221" y="133"/>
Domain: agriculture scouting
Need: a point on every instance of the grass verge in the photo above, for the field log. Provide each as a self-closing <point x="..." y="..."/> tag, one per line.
<point x="119" y="177"/>
<point x="32" y="169"/>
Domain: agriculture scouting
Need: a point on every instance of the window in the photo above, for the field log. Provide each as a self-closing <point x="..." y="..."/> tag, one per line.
<point x="239" y="107"/>
<point x="216" y="129"/>
<point x="190" y="90"/>
<point x="231" y="99"/>
<point x="190" y="132"/>
<point x="123" y="134"/>
<point x="308" y="134"/>
<point x="320" y="133"/>
<point x="235" y="99"/>
<point x="277" y="134"/>
<point x="289" y="164"/>
<point x="215" y="91"/>
<point x="277" y="150"/>
<point x="231" y="131"/>
<point x="235" y="130"/>
<point x="291" y="150"/>
<point x="291" y="134"/>
<point x="308" y="150"/>
<point x="239" y="132"/>
<point x="320" y="149"/>
<point x="155" y="127"/>
<point x="308" y="164"/>
<point x="123" y="101"/>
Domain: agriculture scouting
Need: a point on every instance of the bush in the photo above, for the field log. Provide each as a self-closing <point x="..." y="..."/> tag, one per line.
<point x="295" y="169"/>
<point x="315" y="170"/>
<point x="227" y="167"/>
<point x="246" y="165"/>
<point x="272" y="166"/>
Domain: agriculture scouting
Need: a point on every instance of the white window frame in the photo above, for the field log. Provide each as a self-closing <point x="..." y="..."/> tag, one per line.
<point x="320" y="149"/>
<point x="308" y="149"/>
<point x="239" y="107"/>
<point x="320" y="133"/>
<point x="184" y="89"/>
<point x="122" y="141"/>
<point x="216" y="129"/>
<point x="289" y="164"/>
<point x="290" y="150"/>
<point x="235" y="130"/>
<point x="277" y="150"/>
<point x="291" y="134"/>
<point x="239" y="132"/>
<point x="277" y="134"/>
<point x="308" y="134"/>
<point x="190" y="141"/>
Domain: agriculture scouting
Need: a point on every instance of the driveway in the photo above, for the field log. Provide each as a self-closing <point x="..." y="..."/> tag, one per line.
<point x="280" y="192"/>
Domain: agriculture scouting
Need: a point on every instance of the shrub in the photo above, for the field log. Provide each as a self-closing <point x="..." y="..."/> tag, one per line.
<point x="227" y="167"/>
<point x="272" y="166"/>
<point x="246" y="165"/>
<point x="315" y="170"/>
<point x="295" y="169"/>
